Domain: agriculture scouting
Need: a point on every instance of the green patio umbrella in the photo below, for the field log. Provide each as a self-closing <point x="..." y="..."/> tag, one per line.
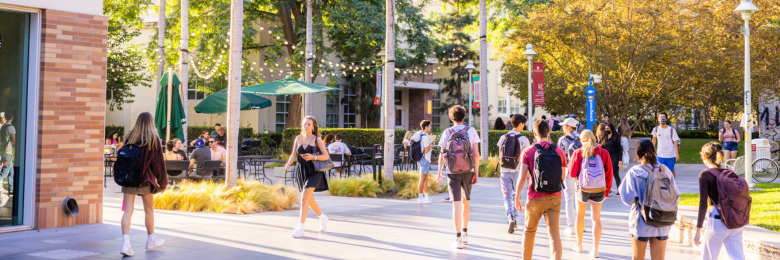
<point x="217" y="103"/>
<point x="178" y="115"/>
<point x="286" y="87"/>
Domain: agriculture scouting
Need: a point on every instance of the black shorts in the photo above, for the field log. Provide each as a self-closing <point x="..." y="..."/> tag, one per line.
<point x="597" y="197"/>
<point x="460" y="183"/>
<point x="646" y="239"/>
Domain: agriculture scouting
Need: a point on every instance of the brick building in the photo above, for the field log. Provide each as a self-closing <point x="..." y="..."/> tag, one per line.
<point x="52" y="94"/>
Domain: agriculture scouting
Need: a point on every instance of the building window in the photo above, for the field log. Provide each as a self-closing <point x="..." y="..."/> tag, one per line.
<point x="398" y="99"/>
<point x="193" y="93"/>
<point x="507" y="103"/>
<point x="282" y="109"/>
<point x="349" y="108"/>
<point x="436" y="107"/>
<point x="332" y="110"/>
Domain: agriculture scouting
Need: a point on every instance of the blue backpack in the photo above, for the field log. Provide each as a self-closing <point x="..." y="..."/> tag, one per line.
<point x="128" y="171"/>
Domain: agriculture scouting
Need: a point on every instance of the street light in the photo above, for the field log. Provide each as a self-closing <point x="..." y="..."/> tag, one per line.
<point x="471" y="68"/>
<point x="529" y="52"/>
<point x="746" y="8"/>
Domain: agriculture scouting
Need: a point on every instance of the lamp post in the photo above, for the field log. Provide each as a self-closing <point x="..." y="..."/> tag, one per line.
<point x="471" y="68"/>
<point x="529" y="52"/>
<point x="746" y="8"/>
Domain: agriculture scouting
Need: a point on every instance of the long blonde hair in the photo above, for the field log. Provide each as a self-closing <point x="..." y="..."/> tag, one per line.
<point x="408" y="135"/>
<point x="144" y="133"/>
<point x="588" y="143"/>
<point x="316" y="130"/>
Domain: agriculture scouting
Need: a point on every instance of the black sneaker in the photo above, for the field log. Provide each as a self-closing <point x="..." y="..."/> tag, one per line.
<point x="512" y="227"/>
<point x="446" y="200"/>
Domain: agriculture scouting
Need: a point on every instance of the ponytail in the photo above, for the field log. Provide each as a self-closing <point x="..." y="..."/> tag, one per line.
<point x="588" y="144"/>
<point x="712" y="152"/>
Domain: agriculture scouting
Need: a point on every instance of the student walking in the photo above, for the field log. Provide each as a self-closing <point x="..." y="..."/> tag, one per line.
<point x="592" y="167"/>
<point x="154" y="180"/>
<point x="666" y="138"/>
<point x="545" y="164"/>
<point x="645" y="182"/>
<point x="609" y="139"/>
<point x="511" y="146"/>
<point x="570" y="142"/>
<point x="420" y="150"/>
<point x="729" y="206"/>
<point x="307" y="148"/>
<point x="460" y="151"/>
<point x="730" y="138"/>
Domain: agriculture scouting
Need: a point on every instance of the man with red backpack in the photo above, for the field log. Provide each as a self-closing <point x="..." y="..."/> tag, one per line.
<point x="460" y="152"/>
<point x="545" y="164"/>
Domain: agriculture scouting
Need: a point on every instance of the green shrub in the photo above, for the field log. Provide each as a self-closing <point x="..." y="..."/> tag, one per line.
<point x="193" y="132"/>
<point x="487" y="168"/>
<point x="357" y="137"/>
<point x="494" y="135"/>
<point x="120" y="129"/>
<point x="697" y="134"/>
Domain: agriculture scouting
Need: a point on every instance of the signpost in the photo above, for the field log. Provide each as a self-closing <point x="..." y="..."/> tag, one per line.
<point x="538" y="72"/>
<point x="591" y="102"/>
<point x="477" y="91"/>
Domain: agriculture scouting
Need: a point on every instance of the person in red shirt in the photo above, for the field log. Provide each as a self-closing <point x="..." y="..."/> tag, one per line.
<point x="596" y="187"/>
<point x="538" y="203"/>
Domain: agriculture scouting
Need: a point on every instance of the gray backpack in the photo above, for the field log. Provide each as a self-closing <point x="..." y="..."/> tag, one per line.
<point x="659" y="208"/>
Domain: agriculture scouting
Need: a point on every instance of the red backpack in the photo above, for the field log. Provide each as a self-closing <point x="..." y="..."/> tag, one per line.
<point x="458" y="152"/>
<point x="734" y="198"/>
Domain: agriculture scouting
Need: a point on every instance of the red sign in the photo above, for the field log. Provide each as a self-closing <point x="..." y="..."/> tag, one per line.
<point x="753" y="146"/>
<point x="538" y="85"/>
<point x="378" y="97"/>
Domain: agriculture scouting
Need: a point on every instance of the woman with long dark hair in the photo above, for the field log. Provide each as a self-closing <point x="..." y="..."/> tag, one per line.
<point x="155" y="179"/>
<point x="307" y="148"/>
<point x="499" y="125"/>
<point x="610" y="140"/>
<point x="632" y="191"/>
<point x="113" y="138"/>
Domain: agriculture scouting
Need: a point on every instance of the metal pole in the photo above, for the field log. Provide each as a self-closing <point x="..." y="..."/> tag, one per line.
<point x="160" y="45"/>
<point x="168" y="94"/>
<point x="530" y="121"/>
<point x="748" y="107"/>
<point x="184" y="65"/>
<point x="234" y="91"/>
<point x="307" y="102"/>
<point x="389" y="89"/>
<point x="471" y="98"/>
<point x="483" y="87"/>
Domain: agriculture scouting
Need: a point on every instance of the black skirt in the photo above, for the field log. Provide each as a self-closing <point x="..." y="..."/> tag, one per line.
<point x="307" y="176"/>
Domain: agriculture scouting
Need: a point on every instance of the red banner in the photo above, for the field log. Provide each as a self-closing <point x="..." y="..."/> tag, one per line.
<point x="538" y="85"/>
<point x="378" y="97"/>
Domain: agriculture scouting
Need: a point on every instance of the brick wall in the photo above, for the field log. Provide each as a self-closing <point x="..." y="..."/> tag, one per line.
<point x="71" y="117"/>
<point x="418" y="110"/>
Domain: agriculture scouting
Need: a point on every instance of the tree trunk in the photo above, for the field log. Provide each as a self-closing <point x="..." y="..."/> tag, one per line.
<point x="389" y="89"/>
<point x="160" y="46"/>
<point x="483" y="108"/>
<point x="184" y="58"/>
<point x="234" y="91"/>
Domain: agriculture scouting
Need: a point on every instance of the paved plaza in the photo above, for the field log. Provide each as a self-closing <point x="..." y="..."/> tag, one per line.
<point x="360" y="228"/>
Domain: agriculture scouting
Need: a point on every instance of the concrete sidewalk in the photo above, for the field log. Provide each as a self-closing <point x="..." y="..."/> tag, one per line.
<point x="359" y="228"/>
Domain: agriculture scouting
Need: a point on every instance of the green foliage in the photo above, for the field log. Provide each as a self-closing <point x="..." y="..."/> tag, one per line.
<point x="698" y="134"/>
<point x="487" y="168"/>
<point x="357" y="137"/>
<point x="124" y="69"/>
<point x="494" y="135"/>
<point x="765" y="210"/>
<point x="690" y="148"/>
<point x="366" y="186"/>
<point x="194" y="132"/>
<point x="120" y="129"/>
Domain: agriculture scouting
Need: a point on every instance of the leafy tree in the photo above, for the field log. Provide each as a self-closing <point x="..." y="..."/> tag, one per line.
<point x="124" y="69"/>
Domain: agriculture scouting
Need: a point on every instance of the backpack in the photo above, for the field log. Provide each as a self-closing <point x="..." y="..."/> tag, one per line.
<point x="547" y="169"/>
<point x="659" y="208"/>
<point x="416" y="149"/>
<point x="556" y="125"/>
<point x="735" y="200"/>
<point x="574" y="145"/>
<point x="458" y="152"/>
<point x="671" y="134"/>
<point x="734" y="132"/>
<point x="592" y="178"/>
<point x="4" y="139"/>
<point x="128" y="171"/>
<point x="510" y="151"/>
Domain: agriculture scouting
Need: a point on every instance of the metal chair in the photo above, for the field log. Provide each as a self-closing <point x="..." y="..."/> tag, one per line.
<point x="735" y="165"/>
<point x="343" y="159"/>
<point x="176" y="170"/>
<point x="209" y="167"/>
<point x="293" y="169"/>
<point x="366" y="162"/>
<point x="245" y="146"/>
<point x="254" y="146"/>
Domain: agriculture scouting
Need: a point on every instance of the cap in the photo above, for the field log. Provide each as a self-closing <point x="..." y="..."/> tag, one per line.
<point x="571" y="116"/>
<point x="199" y="143"/>
<point x="571" y="122"/>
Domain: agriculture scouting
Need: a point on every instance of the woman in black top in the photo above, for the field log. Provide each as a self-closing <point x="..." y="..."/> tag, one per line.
<point x="609" y="139"/>
<point x="717" y="234"/>
<point x="308" y="147"/>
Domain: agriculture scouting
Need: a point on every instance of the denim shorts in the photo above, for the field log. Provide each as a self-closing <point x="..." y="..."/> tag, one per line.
<point x="668" y="162"/>
<point x="647" y="239"/>
<point x="425" y="166"/>
<point x="730" y="146"/>
<point x="597" y="197"/>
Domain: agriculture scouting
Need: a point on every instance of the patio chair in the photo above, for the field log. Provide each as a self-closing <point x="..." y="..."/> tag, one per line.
<point x="735" y="165"/>
<point x="209" y="167"/>
<point x="344" y="160"/>
<point x="365" y="161"/>
<point x="176" y="170"/>
<point x="245" y="146"/>
<point x="254" y="146"/>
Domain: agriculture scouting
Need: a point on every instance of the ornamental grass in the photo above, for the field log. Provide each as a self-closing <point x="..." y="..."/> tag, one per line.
<point x="365" y="186"/>
<point x="246" y="197"/>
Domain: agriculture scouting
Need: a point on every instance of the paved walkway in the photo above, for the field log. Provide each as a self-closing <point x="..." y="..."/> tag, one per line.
<point x="360" y="228"/>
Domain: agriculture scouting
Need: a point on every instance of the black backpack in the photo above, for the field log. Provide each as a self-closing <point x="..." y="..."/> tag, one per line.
<point x="547" y="169"/>
<point x="510" y="151"/>
<point x="4" y="140"/>
<point x="416" y="149"/>
<point x="556" y="125"/>
<point x="128" y="171"/>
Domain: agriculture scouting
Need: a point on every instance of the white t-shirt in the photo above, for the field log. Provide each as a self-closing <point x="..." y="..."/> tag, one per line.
<point x="338" y="148"/>
<point x="522" y="141"/>
<point x="425" y="141"/>
<point x="445" y="137"/>
<point x="666" y="138"/>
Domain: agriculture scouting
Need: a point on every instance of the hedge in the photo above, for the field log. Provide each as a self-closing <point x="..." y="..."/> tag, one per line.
<point x="357" y="137"/>
<point x="193" y="132"/>
<point x="120" y="129"/>
<point x="494" y="135"/>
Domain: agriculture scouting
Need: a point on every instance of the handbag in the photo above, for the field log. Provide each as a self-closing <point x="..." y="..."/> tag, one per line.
<point x="322" y="166"/>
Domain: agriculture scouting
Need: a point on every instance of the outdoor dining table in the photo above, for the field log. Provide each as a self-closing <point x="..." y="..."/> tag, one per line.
<point x="257" y="163"/>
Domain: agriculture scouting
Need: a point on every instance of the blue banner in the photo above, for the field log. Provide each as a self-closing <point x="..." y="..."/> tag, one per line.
<point x="591" y="104"/>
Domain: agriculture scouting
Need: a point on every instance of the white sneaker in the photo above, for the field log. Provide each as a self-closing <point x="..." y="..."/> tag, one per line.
<point x="568" y="232"/>
<point x="323" y="223"/>
<point x="157" y="243"/>
<point x="3" y="199"/>
<point x="428" y="199"/>
<point x="465" y="238"/>
<point x="577" y="248"/>
<point x="593" y="253"/>
<point x="422" y="200"/>
<point x="3" y="190"/>
<point x="126" y="250"/>
<point x="297" y="233"/>
<point x="458" y="243"/>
